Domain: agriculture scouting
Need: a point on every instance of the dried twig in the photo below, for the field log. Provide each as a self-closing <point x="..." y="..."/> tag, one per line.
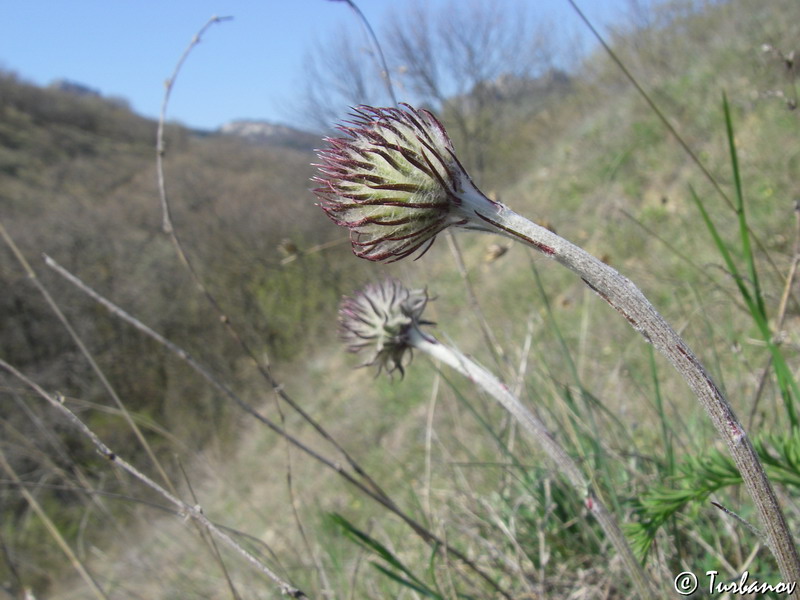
<point x="31" y="274"/>
<point x="193" y="512"/>
<point x="169" y="228"/>
<point x="51" y="527"/>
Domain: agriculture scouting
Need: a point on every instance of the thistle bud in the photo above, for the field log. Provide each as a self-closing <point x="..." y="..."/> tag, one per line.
<point x="395" y="182"/>
<point x="383" y="321"/>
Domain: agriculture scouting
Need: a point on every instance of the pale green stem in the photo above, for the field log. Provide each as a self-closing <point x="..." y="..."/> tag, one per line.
<point x="630" y="302"/>
<point x="540" y="434"/>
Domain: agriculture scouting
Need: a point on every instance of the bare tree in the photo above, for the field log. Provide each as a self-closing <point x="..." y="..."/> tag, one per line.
<point x="340" y="73"/>
<point x="462" y="60"/>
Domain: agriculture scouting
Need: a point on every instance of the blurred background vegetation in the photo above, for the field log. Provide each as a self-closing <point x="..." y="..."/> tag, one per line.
<point x="563" y="139"/>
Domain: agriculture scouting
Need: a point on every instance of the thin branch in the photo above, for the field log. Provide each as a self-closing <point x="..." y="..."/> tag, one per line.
<point x="386" y="75"/>
<point x="169" y="84"/>
<point x="169" y="228"/>
<point x="188" y="359"/>
<point x="51" y="527"/>
<point x="31" y="274"/>
<point x="194" y="512"/>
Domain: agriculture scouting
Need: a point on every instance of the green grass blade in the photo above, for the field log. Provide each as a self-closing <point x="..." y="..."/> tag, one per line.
<point x="744" y="230"/>
<point x="666" y="432"/>
<point x="396" y="570"/>
<point x="413" y="585"/>
<point x="723" y="250"/>
<point x="786" y="381"/>
<point x="371" y="545"/>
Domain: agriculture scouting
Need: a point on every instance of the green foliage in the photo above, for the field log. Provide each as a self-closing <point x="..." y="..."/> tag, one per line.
<point x="700" y="476"/>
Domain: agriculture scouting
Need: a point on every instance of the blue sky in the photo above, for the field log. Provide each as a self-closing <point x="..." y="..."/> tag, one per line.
<point x="250" y="67"/>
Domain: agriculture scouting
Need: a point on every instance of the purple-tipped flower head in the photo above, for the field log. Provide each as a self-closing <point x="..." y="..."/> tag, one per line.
<point x="395" y="182"/>
<point x="382" y="320"/>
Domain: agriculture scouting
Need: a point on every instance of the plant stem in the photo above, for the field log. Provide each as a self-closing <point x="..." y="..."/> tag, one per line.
<point x="539" y="432"/>
<point x="630" y="302"/>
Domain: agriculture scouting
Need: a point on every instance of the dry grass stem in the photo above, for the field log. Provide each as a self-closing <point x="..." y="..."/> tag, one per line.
<point x="369" y="489"/>
<point x="194" y="512"/>
<point x="51" y="527"/>
<point x="31" y="274"/>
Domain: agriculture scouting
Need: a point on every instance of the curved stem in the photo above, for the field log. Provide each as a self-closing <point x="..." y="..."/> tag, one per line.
<point x="630" y="302"/>
<point x="539" y="432"/>
<point x="386" y="75"/>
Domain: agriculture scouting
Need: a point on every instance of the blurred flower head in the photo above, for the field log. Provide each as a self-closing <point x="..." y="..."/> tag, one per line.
<point x="395" y="182"/>
<point x="382" y="321"/>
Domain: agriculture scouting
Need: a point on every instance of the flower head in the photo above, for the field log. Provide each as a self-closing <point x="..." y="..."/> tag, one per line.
<point x="382" y="320"/>
<point x="395" y="182"/>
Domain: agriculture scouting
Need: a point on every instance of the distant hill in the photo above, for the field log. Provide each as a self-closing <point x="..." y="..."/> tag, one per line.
<point x="264" y="133"/>
<point x="74" y="87"/>
<point x="254" y="131"/>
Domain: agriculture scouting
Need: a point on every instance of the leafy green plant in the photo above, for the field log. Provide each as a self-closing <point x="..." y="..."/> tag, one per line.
<point x="700" y="476"/>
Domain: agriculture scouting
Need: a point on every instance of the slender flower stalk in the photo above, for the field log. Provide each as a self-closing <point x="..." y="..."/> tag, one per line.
<point x="384" y="321"/>
<point x="395" y="182"/>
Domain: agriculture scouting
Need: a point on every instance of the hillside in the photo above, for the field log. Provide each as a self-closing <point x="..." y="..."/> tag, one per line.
<point x="270" y="134"/>
<point x="78" y="182"/>
<point x="593" y="162"/>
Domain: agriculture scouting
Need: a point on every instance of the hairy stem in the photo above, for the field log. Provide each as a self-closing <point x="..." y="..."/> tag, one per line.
<point x="630" y="302"/>
<point x="539" y="432"/>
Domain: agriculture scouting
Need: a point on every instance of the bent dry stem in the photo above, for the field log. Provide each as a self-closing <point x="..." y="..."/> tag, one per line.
<point x="619" y="292"/>
<point x="539" y="432"/>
